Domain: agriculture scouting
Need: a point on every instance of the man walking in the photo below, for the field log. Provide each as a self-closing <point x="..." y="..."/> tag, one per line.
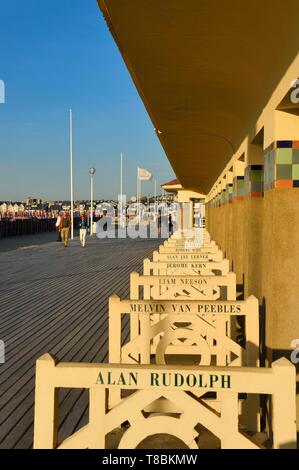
<point x="170" y="225"/>
<point x="159" y="223"/>
<point x="65" y="225"/>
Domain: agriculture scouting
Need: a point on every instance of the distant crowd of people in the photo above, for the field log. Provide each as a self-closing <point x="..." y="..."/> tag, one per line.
<point x="11" y="216"/>
<point x="63" y="226"/>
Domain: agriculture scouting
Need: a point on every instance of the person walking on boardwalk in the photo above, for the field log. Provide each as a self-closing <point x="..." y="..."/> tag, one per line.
<point x="83" y="225"/>
<point x="159" y="223"/>
<point x="65" y="225"/>
<point x="170" y="225"/>
<point x="57" y="225"/>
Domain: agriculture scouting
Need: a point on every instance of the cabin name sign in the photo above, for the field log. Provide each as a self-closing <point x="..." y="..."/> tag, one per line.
<point x="174" y="380"/>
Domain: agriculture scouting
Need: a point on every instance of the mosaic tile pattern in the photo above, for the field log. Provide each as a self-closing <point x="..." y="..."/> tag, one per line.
<point x="229" y="193"/>
<point x="223" y="197"/>
<point x="281" y="168"/>
<point x="254" y="181"/>
<point x="216" y="201"/>
<point x="238" y="188"/>
<point x="219" y="199"/>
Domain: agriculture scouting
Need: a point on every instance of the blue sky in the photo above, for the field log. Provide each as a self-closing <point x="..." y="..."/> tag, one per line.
<point x="55" y="55"/>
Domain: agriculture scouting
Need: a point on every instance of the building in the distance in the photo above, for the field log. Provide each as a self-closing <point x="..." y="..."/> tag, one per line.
<point x="194" y="200"/>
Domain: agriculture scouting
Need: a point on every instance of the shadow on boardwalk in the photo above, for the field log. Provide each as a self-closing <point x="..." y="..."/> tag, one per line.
<point x="27" y="241"/>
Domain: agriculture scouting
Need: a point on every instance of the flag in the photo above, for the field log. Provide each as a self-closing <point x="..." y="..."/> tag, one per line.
<point x="143" y="175"/>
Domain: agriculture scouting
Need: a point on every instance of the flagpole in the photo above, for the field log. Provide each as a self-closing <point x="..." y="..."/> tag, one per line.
<point x="121" y="174"/>
<point x="71" y="174"/>
<point x="120" y="216"/>
<point x="137" y="191"/>
<point x="139" y="198"/>
<point x="155" y="200"/>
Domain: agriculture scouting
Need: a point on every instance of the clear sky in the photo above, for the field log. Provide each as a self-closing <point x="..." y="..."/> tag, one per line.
<point x="55" y="55"/>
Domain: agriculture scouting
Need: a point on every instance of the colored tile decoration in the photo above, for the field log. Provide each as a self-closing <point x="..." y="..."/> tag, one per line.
<point x="223" y="197"/>
<point x="254" y="181"/>
<point x="238" y="188"/>
<point x="229" y="193"/>
<point x="281" y="169"/>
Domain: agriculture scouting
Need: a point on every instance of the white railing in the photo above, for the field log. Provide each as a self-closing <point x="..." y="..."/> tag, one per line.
<point x="191" y="268"/>
<point x="149" y="383"/>
<point x="205" y="257"/>
<point x="183" y="287"/>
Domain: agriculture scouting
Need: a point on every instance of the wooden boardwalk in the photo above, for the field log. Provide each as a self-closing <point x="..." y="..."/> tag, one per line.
<point x="56" y="300"/>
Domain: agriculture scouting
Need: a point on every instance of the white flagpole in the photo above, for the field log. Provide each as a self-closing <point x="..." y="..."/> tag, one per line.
<point x="71" y="174"/>
<point x="121" y="175"/>
<point x="155" y="200"/>
<point x="139" y="198"/>
<point x="120" y="215"/>
<point x="137" y="191"/>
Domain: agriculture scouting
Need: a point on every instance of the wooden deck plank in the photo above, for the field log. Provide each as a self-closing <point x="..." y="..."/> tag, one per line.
<point x="22" y="403"/>
<point x="96" y="352"/>
<point x="56" y="300"/>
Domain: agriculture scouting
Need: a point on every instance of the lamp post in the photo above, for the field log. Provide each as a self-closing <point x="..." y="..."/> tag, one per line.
<point x="71" y="174"/>
<point x="92" y="171"/>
